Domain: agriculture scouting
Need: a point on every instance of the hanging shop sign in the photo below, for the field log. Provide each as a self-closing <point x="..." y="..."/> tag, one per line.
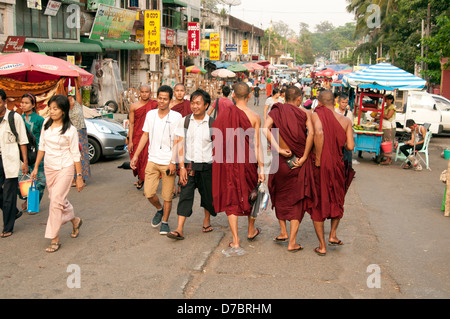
<point x="170" y="38"/>
<point x="231" y="47"/>
<point x="214" y="46"/>
<point x="152" y="32"/>
<point x="193" y="42"/>
<point x="13" y="44"/>
<point x="34" y="4"/>
<point x="112" y="24"/>
<point x="93" y="4"/>
<point x="244" y="46"/>
<point x="52" y="8"/>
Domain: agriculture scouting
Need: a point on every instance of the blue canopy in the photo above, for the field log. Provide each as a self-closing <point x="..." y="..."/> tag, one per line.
<point x="384" y="74"/>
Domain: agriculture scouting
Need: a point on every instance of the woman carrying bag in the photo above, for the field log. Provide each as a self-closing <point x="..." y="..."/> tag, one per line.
<point x="59" y="144"/>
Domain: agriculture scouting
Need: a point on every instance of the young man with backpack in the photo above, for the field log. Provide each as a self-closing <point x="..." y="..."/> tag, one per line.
<point x="10" y="163"/>
<point x="195" y="161"/>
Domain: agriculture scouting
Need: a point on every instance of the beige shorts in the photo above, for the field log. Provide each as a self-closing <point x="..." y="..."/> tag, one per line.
<point x="152" y="173"/>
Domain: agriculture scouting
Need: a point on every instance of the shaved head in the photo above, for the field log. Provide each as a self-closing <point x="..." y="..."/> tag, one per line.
<point x="292" y="94"/>
<point x="326" y="98"/>
<point x="241" y="90"/>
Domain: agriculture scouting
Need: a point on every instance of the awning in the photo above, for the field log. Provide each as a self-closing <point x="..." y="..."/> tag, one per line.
<point x="175" y="3"/>
<point x="54" y="46"/>
<point x="117" y="45"/>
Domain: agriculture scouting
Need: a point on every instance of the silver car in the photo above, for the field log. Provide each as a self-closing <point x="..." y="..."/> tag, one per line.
<point x="106" y="138"/>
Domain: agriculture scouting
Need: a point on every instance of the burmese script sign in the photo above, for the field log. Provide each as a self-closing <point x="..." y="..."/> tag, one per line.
<point x="112" y="24"/>
<point x="193" y="45"/>
<point x="152" y="32"/>
<point x="214" y="46"/>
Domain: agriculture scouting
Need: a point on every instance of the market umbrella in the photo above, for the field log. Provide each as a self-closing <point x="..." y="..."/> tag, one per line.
<point x="326" y="73"/>
<point x="33" y="67"/>
<point x="195" y="69"/>
<point x="237" y="68"/>
<point x="384" y="74"/>
<point x="223" y="73"/>
<point x="254" y="66"/>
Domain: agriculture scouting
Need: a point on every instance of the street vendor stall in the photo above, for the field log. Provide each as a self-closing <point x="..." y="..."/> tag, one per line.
<point x="370" y="99"/>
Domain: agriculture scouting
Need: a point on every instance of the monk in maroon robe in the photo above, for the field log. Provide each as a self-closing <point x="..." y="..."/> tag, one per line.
<point x="332" y="132"/>
<point x="179" y="104"/>
<point x="292" y="190"/>
<point x="236" y="160"/>
<point x="138" y="112"/>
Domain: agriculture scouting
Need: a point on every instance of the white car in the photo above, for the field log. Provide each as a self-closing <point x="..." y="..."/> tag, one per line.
<point x="443" y="105"/>
<point x="421" y="107"/>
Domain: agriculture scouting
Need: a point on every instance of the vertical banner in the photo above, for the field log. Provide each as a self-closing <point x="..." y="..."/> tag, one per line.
<point x="170" y="38"/>
<point x="214" y="46"/>
<point x="244" y="46"/>
<point x="193" y="45"/>
<point x="152" y="32"/>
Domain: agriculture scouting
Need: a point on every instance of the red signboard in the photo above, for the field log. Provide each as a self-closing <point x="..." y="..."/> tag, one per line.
<point x="193" y="45"/>
<point x="13" y="44"/>
<point x="170" y="38"/>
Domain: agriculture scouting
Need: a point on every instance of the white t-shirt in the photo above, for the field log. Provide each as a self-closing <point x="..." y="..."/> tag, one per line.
<point x="161" y="132"/>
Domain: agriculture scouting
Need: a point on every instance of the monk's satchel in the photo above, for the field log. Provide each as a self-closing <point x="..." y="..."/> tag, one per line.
<point x="291" y="161"/>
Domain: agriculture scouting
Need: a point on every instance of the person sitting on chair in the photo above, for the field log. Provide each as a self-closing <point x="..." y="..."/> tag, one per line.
<point x="417" y="132"/>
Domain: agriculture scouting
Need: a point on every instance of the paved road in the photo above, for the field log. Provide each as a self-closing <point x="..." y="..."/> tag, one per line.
<point x="392" y="223"/>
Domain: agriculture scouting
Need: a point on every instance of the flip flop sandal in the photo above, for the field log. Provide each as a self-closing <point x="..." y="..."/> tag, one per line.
<point x="258" y="231"/>
<point x="295" y="250"/>
<point x="139" y="185"/>
<point x="316" y="250"/>
<point x="205" y="229"/>
<point x="6" y="234"/>
<point x="52" y="249"/>
<point x="173" y="236"/>
<point x="76" y="230"/>
<point x="335" y="243"/>
<point x="280" y="240"/>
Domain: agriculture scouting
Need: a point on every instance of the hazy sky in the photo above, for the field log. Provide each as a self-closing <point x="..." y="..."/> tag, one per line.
<point x="292" y="12"/>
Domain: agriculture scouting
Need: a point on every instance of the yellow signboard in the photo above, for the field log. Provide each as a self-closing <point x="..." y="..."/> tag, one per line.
<point x="244" y="46"/>
<point x="204" y="45"/>
<point x="214" y="46"/>
<point x="152" y="30"/>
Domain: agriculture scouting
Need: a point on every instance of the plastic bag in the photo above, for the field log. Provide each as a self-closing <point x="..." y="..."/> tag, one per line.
<point x="33" y="198"/>
<point x="262" y="200"/>
<point x="24" y="185"/>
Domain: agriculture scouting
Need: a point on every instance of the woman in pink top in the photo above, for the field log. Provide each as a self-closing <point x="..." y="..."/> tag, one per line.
<point x="59" y="144"/>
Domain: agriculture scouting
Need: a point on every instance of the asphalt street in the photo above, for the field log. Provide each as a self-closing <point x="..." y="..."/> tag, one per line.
<point x="394" y="233"/>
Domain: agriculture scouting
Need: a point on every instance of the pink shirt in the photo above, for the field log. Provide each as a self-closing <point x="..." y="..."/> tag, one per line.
<point x="60" y="150"/>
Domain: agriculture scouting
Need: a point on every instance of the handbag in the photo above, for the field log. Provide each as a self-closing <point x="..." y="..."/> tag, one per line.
<point x="33" y="198"/>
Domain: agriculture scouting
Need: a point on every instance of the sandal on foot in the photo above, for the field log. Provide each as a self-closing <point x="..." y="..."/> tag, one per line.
<point x="258" y="231"/>
<point x="316" y="250"/>
<point x="76" y="229"/>
<point x="280" y="240"/>
<point x="207" y="229"/>
<point x="295" y="250"/>
<point x="175" y="235"/>
<point x="335" y="243"/>
<point x="6" y="234"/>
<point x="53" y="247"/>
<point x="139" y="185"/>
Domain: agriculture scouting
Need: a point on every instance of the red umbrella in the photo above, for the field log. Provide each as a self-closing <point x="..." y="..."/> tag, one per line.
<point x="33" y="67"/>
<point x="326" y="72"/>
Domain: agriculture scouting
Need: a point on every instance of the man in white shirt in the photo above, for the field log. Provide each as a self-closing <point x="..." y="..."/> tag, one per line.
<point x="159" y="130"/>
<point x="10" y="164"/>
<point x="195" y="158"/>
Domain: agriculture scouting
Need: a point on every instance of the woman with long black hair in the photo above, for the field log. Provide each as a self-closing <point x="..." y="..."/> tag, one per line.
<point x="59" y="144"/>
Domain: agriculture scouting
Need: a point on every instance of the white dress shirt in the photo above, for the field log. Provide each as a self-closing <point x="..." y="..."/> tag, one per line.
<point x="198" y="142"/>
<point x="60" y="150"/>
<point x="10" y="154"/>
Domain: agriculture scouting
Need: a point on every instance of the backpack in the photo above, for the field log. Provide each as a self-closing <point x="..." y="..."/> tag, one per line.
<point x="187" y="122"/>
<point x="31" y="146"/>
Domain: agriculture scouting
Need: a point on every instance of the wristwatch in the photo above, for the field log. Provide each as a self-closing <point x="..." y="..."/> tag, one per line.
<point x="173" y="162"/>
<point x="79" y="175"/>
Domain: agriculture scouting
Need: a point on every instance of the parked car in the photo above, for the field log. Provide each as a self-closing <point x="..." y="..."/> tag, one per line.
<point x="421" y="107"/>
<point x="106" y="138"/>
<point x="443" y="105"/>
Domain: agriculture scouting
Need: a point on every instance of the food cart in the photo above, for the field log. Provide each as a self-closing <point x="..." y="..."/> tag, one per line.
<point x="370" y="98"/>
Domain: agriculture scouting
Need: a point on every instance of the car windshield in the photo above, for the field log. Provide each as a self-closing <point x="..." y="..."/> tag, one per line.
<point x="442" y="104"/>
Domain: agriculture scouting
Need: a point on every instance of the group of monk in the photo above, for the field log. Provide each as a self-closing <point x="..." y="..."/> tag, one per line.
<point x="307" y="150"/>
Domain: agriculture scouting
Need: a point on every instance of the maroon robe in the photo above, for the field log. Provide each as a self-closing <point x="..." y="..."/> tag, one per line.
<point x="184" y="108"/>
<point x="139" y="118"/>
<point x="234" y="173"/>
<point x="292" y="191"/>
<point x="330" y="177"/>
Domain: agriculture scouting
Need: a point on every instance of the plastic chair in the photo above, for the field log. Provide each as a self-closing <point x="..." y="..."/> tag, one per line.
<point x="426" y="141"/>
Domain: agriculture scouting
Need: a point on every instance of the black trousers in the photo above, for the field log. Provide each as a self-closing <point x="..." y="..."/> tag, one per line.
<point x="202" y="180"/>
<point x="8" y="199"/>
<point x="405" y="149"/>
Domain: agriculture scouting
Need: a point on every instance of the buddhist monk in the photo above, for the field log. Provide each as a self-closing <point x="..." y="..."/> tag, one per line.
<point x="292" y="189"/>
<point x="137" y="114"/>
<point x="237" y="158"/>
<point x="179" y="104"/>
<point x="332" y="132"/>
